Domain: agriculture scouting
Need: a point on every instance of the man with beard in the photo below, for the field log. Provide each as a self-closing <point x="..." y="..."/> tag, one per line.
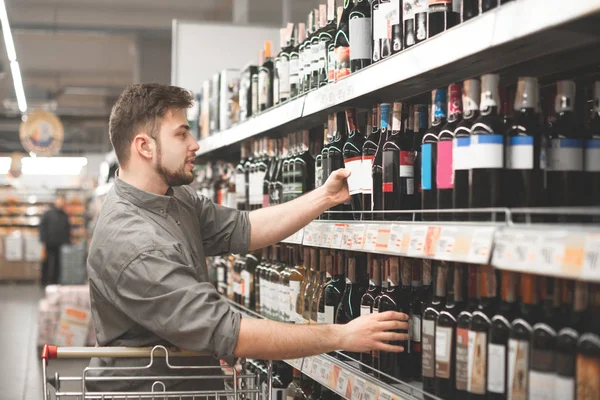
<point x="148" y="275"/>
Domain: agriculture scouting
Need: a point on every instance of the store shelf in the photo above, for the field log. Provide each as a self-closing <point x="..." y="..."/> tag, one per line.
<point x="507" y="37"/>
<point x="344" y="379"/>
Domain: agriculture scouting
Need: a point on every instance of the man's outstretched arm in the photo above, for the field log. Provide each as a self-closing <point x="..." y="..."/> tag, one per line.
<point x="279" y="341"/>
<point x="272" y="224"/>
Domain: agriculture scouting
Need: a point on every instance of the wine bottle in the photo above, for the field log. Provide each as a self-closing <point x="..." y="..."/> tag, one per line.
<point x="310" y="285"/>
<point x="564" y="175"/>
<point x="368" y="156"/>
<point x="588" y="351"/>
<point x="486" y="151"/>
<point x="296" y="277"/>
<point x="377" y="171"/>
<point x="379" y="29"/>
<point x="469" y="9"/>
<point x="368" y="299"/>
<point x="269" y="175"/>
<point x="261" y="168"/>
<point x="385" y="283"/>
<point x="295" y="384"/>
<point x="441" y="17"/>
<point x="325" y="41"/>
<point x="353" y="161"/>
<point x="306" y="277"/>
<point x="519" y="343"/>
<point x="461" y="145"/>
<point x="277" y="67"/>
<point x="262" y="272"/>
<point x="420" y="127"/>
<point x="240" y="179"/>
<point x="295" y="60"/>
<point x="342" y="43"/>
<point x="445" y="332"/>
<point x="525" y="157"/>
<point x="265" y="79"/>
<point x="286" y="257"/>
<point x="428" y="153"/>
<point x="444" y="177"/>
<point x="565" y="363"/>
<point x="286" y="169"/>
<point x="276" y="186"/>
<point x="285" y="66"/>
<point x="499" y="337"/>
<point x="416" y="316"/>
<point x="332" y="293"/>
<point x="325" y="275"/>
<point x="315" y="48"/>
<point x="393" y="40"/>
<point x="462" y="332"/>
<point x="313" y="21"/>
<point x="247" y="276"/>
<point x="478" y="334"/>
<point x="304" y="166"/>
<point x="408" y="20"/>
<point x="421" y="19"/>
<point x="592" y="154"/>
<point x="335" y="158"/>
<point x="430" y="317"/>
<point x="487" y="5"/>
<point x="360" y="25"/>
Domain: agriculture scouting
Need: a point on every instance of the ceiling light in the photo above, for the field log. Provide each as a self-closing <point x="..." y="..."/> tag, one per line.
<point x="12" y="57"/>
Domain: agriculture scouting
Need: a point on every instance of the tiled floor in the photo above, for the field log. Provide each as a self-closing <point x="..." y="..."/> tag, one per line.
<point x="20" y="365"/>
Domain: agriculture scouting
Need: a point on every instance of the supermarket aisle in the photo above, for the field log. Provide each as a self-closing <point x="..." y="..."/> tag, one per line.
<point x="20" y="366"/>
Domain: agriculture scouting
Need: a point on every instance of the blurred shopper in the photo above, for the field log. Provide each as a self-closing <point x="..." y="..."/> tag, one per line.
<point x="55" y="231"/>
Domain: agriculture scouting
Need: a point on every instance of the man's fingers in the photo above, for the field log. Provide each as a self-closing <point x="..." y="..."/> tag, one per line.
<point x="343" y="172"/>
<point x="391" y="315"/>
<point x="392" y="325"/>
<point x="391" y="336"/>
<point x="389" y="348"/>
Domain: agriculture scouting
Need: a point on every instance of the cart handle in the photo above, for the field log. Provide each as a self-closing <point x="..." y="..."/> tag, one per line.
<point x="54" y="352"/>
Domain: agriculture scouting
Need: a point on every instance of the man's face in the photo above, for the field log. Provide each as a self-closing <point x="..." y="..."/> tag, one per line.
<point x="175" y="149"/>
<point x="59" y="203"/>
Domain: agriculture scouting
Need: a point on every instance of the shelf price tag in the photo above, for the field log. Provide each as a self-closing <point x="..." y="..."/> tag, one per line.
<point x="550" y="252"/>
<point x="431" y="240"/>
<point x="347" y="238"/>
<point x="327" y="238"/>
<point x="338" y="236"/>
<point x="591" y="263"/>
<point x="383" y="238"/>
<point x="342" y="383"/>
<point x="358" y="236"/>
<point x="324" y="371"/>
<point x="417" y="240"/>
<point x="574" y="255"/>
<point x="384" y="395"/>
<point x="299" y="236"/>
<point x="307" y="367"/>
<point x="371" y="237"/>
<point x="396" y="238"/>
<point x="445" y="243"/>
<point x="370" y="392"/>
<point x="358" y="389"/>
<point x="481" y="245"/>
<point x="297" y="363"/>
<point x="315" y="367"/>
<point x="525" y="249"/>
<point x="308" y="235"/>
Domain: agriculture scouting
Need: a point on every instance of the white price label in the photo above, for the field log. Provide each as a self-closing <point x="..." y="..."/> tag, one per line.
<point x="315" y="367"/>
<point x="358" y="236"/>
<point x="591" y="261"/>
<point x="324" y="370"/>
<point x="417" y="241"/>
<point x="550" y="253"/>
<point x="347" y="238"/>
<point x="358" y="389"/>
<point x="342" y="383"/>
<point x="319" y="234"/>
<point x="338" y="236"/>
<point x="371" y="237"/>
<point x="397" y="237"/>
<point x="481" y="245"/>
<point x="383" y="395"/>
<point x="308" y="235"/>
<point x="327" y="237"/>
<point x="307" y="367"/>
<point x="445" y="244"/>
<point x="370" y="392"/>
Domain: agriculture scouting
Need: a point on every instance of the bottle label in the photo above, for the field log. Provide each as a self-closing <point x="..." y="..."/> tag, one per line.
<point x="366" y="176"/>
<point x="264" y="87"/>
<point x="541" y="385"/>
<point x="389" y="178"/>
<point x="360" y="37"/>
<point x="247" y="283"/>
<point x="294" y="293"/>
<point x="588" y="370"/>
<point x="322" y="55"/>
<point x="276" y="87"/>
<point x="462" y="359"/>
<point x="477" y="362"/>
<point x="428" y="348"/>
<point x="407" y="162"/>
<point x="565" y="155"/>
<point x="564" y="388"/>
<point x="331" y="64"/>
<point x="592" y="155"/>
<point x="342" y="62"/>
<point x="520" y="152"/>
<point x="486" y="151"/>
<point x="444" y="176"/>
<point x="284" y="78"/>
<point x="426" y="166"/>
<point x="294" y="71"/>
<point x="497" y="364"/>
<point x="240" y="188"/>
<point x="460" y="155"/>
<point x="518" y="369"/>
<point x="284" y="302"/>
<point x="415" y="328"/>
<point x="318" y="176"/>
<point x="354" y="164"/>
<point x="329" y="314"/>
<point x="365" y="310"/>
<point x="443" y="351"/>
<point x="321" y="318"/>
<point x="408" y="6"/>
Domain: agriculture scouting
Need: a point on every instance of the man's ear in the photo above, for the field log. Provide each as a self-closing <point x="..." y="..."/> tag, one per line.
<point x="144" y="146"/>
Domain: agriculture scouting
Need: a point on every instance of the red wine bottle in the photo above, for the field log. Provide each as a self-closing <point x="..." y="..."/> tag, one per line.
<point x="417" y="298"/>
<point x="369" y="150"/>
<point x="377" y="171"/>
<point x="353" y="161"/>
<point x="341" y="43"/>
<point x="420" y="127"/>
<point x="588" y="350"/>
<point x="444" y="176"/>
<point x="316" y="46"/>
<point x="441" y="17"/>
<point x="360" y="35"/>
<point x="428" y="153"/>
<point x="326" y="44"/>
<point x="335" y="158"/>
<point x="486" y="151"/>
<point x="368" y="299"/>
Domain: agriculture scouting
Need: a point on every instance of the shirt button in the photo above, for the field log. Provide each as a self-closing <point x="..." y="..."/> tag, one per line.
<point x="178" y="223"/>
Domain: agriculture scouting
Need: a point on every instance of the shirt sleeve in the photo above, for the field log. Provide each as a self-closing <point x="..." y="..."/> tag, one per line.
<point x="161" y="292"/>
<point x="223" y="229"/>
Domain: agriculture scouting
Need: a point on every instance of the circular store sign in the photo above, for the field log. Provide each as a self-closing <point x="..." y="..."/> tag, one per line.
<point x="42" y="133"/>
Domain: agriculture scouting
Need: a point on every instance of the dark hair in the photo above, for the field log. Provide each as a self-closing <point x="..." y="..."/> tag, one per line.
<point x="140" y="106"/>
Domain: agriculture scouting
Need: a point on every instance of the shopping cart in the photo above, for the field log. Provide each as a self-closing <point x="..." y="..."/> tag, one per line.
<point x="236" y="384"/>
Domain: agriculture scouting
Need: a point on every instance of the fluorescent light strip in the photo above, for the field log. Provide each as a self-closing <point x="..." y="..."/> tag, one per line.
<point x="12" y="57"/>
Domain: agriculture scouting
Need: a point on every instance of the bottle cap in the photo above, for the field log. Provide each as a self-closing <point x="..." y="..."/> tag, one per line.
<point x="322" y="15"/>
<point x="527" y="93"/>
<point x="384" y="109"/>
<point x="565" y="96"/>
<point x="331" y="10"/>
<point x="397" y="117"/>
<point x="438" y="100"/>
<point x="471" y="93"/>
<point x="301" y="32"/>
<point x="454" y="99"/>
<point x="490" y="92"/>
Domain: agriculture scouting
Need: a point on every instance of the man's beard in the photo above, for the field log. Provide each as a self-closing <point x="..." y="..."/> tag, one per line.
<point x="172" y="178"/>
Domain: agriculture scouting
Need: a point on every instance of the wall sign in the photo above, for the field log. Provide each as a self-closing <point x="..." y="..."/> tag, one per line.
<point x="42" y="133"/>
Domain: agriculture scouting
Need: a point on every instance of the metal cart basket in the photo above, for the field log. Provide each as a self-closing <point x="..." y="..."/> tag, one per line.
<point x="247" y="385"/>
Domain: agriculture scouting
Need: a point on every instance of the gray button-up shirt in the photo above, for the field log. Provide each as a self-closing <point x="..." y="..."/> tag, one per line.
<point x="148" y="275"/>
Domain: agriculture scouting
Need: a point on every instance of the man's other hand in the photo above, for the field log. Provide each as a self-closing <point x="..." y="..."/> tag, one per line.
<point x="336" y="186"/>
<point x="373" y="332"/>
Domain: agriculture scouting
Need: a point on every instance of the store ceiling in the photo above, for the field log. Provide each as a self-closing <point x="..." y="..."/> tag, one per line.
<point x="76" y="56"/>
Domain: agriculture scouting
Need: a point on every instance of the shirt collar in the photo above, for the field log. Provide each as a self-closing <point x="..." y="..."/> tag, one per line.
<point x="155" y="203"/>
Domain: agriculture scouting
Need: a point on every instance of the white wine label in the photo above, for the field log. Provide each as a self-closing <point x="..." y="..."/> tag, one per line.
<point x="366" y="176"/>
<point x="565" y="155"/>
<point x="518" y="369"/>
<point x="415" y="328"/>
<point x="240" y="188"/>
<point x="541" y="385"/>
<point x="462" y="359"/>
<point x="294" y="293"/>
<point x="564" y="387"/>
<point x="592" y="155"/>
<point x="284" y="78"/>
<point x="365" y="310"/>
<point x="497" y="364"/>
<point x="360" y="37"/>
<point x="443" y="351"/>
<point x="428" y="348"/>
<point x="264" y="87"/>
<point x="321" y="318"/>
<point x="486" y="151"/>
<point x="329" y="314"/>
<point x="520" y="152"/>
<point x="477" y="362"/>
<point x="354" y="164"/>
<point x="460" y="156"/>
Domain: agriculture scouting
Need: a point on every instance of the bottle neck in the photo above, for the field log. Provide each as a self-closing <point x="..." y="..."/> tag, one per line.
<point x="441" y="273"/>
<point x="455" y="107"/>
